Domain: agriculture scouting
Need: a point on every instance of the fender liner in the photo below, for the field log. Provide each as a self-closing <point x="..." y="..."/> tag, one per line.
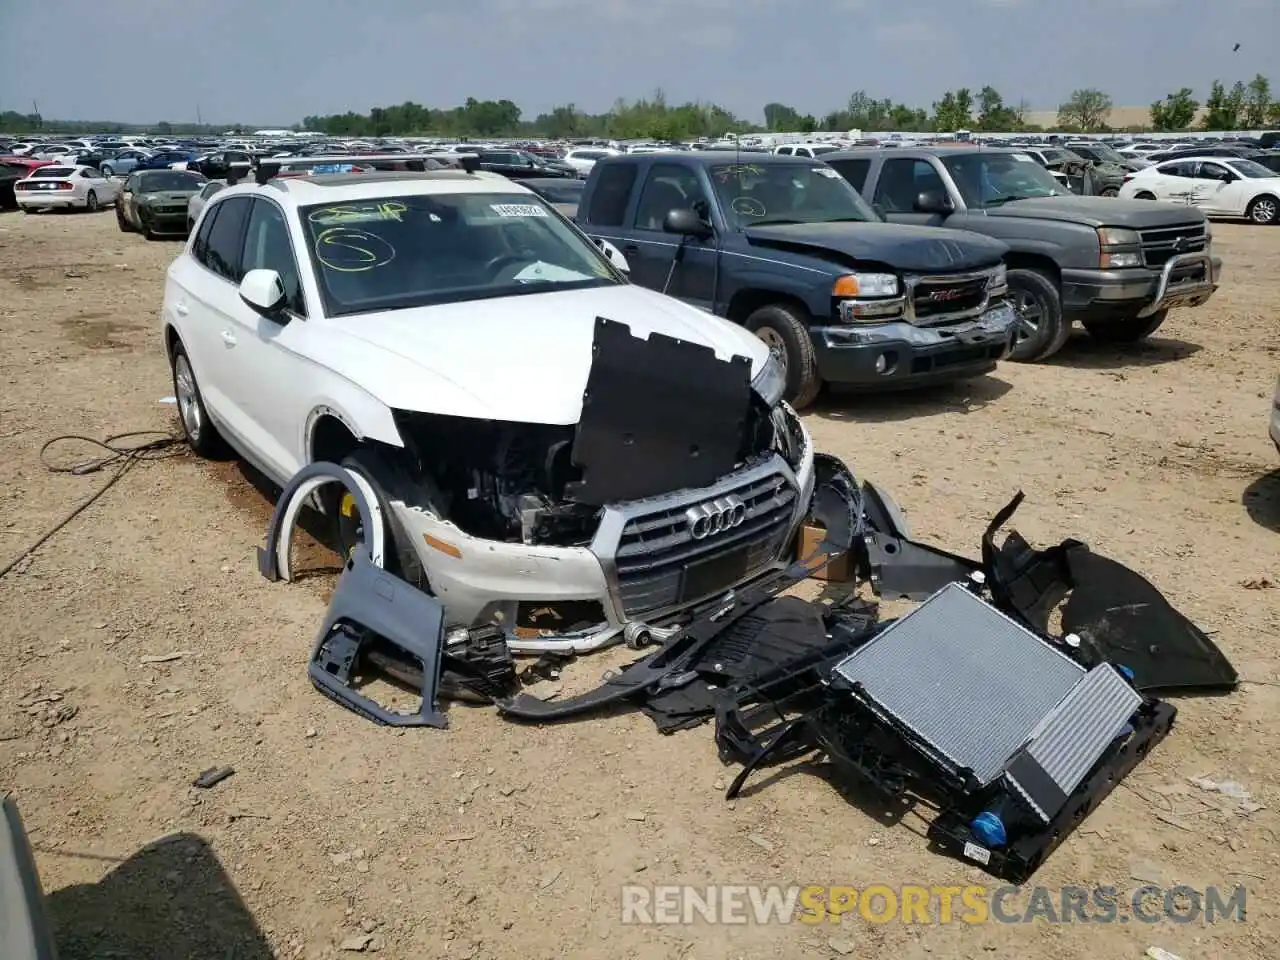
<point x="273" y="559"/>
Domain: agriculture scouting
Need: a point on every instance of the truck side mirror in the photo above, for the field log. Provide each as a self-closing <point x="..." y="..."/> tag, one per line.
<point x="933" y="201"/>
<point x="685" y="221"/>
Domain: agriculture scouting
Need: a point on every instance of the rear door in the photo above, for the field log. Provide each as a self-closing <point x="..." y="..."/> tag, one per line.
<point x="210" y="279"/>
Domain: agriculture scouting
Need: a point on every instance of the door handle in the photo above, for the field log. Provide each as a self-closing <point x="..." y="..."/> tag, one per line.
<point x="181" y="309"/>
<point x="228" y="338"/>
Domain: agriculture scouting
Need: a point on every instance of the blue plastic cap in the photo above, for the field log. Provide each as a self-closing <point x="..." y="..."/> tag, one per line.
<point x="989" y="828"/>
<point x="1128" y="674"/>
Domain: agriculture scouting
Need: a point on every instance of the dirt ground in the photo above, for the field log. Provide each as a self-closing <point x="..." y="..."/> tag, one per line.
<point x="498" y="840"/>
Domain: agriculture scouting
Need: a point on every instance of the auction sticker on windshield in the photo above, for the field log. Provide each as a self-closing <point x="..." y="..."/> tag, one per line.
<point x="518" y="209"/>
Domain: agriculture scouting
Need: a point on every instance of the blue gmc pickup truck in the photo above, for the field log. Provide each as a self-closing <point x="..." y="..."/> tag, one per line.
<point x="784" y="246"/>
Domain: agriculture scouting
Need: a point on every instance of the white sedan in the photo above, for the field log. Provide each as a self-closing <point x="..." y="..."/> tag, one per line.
<point x="66" y="188"/>
<point x="1220" y="186"/>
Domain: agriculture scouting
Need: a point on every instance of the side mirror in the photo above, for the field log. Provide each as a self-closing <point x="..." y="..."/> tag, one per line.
<point x="263" y="291"/>
<point x="614" y="254"/>
<point x="686" y="222"/>
<point x="933" y="201"/>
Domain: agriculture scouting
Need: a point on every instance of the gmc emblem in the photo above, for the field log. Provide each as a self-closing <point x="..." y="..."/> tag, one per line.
<point x="943" y="295"/>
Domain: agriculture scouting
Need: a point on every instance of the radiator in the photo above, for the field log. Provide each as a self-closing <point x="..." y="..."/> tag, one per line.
<point x="989" y="696"/>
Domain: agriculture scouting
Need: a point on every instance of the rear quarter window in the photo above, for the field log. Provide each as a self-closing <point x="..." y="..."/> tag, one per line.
<point x="855" y="171"/>
<point x="612" y="193"/>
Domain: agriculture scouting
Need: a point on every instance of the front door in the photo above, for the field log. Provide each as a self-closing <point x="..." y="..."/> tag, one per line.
<point x="682" y="267"/>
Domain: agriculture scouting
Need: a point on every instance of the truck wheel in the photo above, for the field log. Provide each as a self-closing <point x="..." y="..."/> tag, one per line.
<point x="1264" y="210"/>
<point x="387" y="482"/>
<point x="785" y="331"/>
<point x="1127" y="330"/>
<point x="1041" y="329"/>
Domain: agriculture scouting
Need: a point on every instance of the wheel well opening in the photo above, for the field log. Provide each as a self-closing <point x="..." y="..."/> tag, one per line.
<point x="746" y="302"/>
<point x="1032" y="261"/>
<point x="171" y="340"/>
<point x="331" y="440"/>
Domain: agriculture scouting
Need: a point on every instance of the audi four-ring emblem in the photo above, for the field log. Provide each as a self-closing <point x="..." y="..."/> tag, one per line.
<point x="715" y="516"/>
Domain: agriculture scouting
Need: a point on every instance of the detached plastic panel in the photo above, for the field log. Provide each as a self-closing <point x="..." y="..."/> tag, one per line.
<point x="370" y="604"/>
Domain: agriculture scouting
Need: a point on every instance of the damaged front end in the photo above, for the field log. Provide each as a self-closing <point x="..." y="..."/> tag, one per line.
<point x="679" y="483"/>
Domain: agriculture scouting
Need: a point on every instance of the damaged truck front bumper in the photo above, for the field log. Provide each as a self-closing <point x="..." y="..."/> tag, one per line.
<point x="900" y="353"/>
<point x="644" y="569"/>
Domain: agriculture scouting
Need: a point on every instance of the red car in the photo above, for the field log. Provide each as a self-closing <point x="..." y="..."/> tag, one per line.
<point x="28" y="162"/>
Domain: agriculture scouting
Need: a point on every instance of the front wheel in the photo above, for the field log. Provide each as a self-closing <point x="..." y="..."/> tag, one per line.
<point x="388" y="483"/>
<point x="1041" y="329"/>
<point x="200" y="432"/>
<point x="148" y="230"/>
<point x="1264" y="210"/>
<point x="91" y="202"/>
<point x="1109" y="192"/>
<point x="784" y="330"/>
<point x="1127" y="330"/>
<point x="107" y="171"/>
<point x="121" y="222"/>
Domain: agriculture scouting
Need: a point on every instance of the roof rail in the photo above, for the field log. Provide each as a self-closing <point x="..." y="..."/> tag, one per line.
<point x="265" y="168"/>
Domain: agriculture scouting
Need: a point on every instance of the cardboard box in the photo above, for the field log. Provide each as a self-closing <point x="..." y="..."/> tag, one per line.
<point x="838" y="568"/>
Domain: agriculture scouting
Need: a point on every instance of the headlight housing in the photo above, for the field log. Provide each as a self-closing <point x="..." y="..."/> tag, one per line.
<point x="865" y="285"/>
<point x="998" y="285"/>
<point x="771" y="381"/>
<point x="1121" y="248"/>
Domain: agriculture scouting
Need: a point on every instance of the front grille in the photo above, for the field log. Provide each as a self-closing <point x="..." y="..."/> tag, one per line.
<point x="660" y="565"/>
<point x="934" y="299"/>
<point x="1161" y="244"/>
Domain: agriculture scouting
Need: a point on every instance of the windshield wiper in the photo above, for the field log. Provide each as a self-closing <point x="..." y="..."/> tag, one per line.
<point x="773" y="223"/>
<point x="997" y="201"/>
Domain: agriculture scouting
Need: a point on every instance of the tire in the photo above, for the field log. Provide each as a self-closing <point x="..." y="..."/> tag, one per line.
<point x="1127" y="330"/>
<point x="1042" y="329"/>
<point x="1109" y="192"/>
<point x="28" y="210"/>
<point x="201" y="434"/>
<point x="121" y="222"/>
<point x="107" y="170"/>
<point x="389" y="483"/>
<point x="1264" y="210"/>
<point x="147" y="230"/>
<point x="91" y="202"/>
<point x="1144" y="195"/>
<point x="784" y="329"/>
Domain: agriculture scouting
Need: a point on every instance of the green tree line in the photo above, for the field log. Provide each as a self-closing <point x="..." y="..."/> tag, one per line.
<point x="1240" y="106"/>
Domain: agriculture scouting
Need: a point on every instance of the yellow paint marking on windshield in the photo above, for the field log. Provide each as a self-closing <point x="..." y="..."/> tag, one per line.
<point x="362" y="213"/>
<point x="345" y="250"/>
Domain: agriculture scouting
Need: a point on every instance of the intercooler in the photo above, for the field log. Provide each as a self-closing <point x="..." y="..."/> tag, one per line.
<point x="986" y="698"/>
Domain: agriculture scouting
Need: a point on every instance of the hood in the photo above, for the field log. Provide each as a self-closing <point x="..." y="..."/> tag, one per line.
<point x="1100" y="211"/>
<point x="523" y="359"/>
<point x="910" y="248"/>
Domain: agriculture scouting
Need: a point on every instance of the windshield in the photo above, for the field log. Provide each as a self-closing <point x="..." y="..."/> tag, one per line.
<point x="1059" y="156"/>
<point x="410" y="251"/>
<point x="1250" y="169"/>
<point x="152" y="180"/>
<point x="990" y="179"/>
<point x="754" y="194"/>
<point x="1100" y="151"/>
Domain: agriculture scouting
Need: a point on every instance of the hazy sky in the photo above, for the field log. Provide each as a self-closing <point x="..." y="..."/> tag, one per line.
<point x="272" y="62"/>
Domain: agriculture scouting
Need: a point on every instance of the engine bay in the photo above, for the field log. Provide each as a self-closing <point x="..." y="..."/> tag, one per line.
<point x="513" y="482"/>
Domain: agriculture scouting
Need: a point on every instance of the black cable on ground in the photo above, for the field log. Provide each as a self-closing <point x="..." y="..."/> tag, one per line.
<point x="119" y="454"/>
